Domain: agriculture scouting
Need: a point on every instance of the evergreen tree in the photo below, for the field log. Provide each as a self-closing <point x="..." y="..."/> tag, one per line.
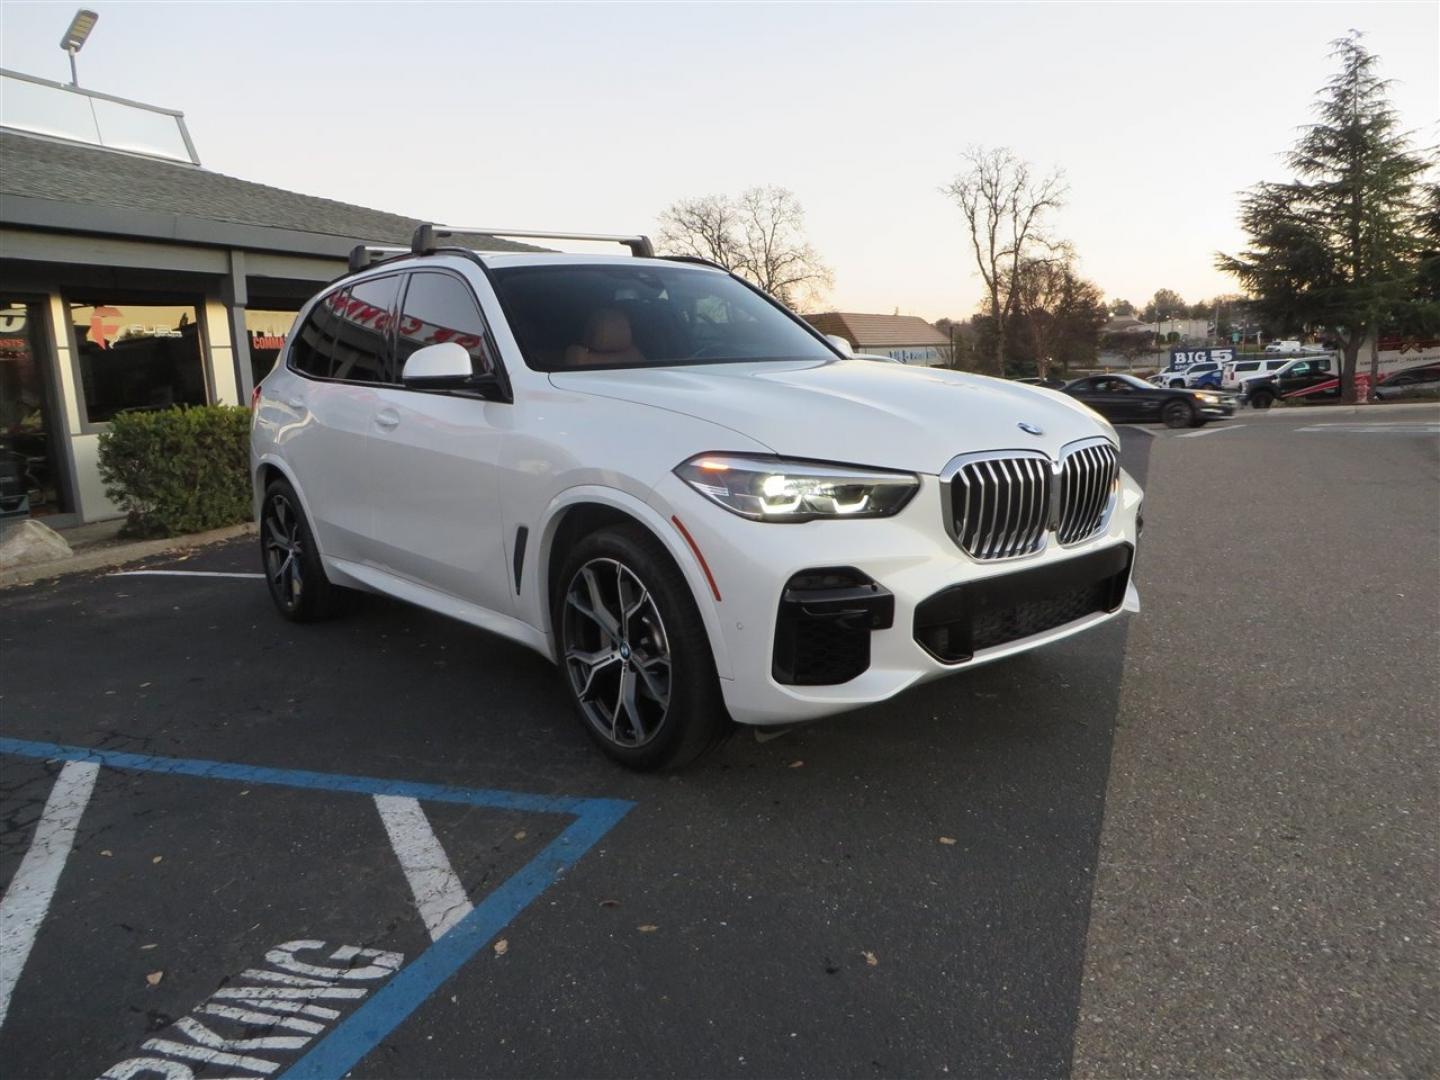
<point x="1339" y="245"/>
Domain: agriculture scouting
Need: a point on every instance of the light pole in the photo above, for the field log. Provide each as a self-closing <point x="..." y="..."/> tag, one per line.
<point x="74" y="39"/>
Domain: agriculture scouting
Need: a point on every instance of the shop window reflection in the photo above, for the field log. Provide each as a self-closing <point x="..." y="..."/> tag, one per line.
<point x="137" y="357"/>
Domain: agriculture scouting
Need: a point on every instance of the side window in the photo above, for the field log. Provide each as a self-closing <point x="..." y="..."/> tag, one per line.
<point x="314" y="348"/>
<point x="1322" y="365"/>
<point x="438" y="308"/>
<point x="362" y="350"/>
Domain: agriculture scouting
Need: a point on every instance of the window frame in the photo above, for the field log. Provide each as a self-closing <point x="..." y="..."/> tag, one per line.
<point x="196" y="301"/>
<point x="501" y="376"/>
<point x="388" y="361"/>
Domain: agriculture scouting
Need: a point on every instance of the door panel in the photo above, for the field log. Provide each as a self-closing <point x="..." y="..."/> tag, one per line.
<point x="324" y="442"/>
<point x="434" y="457"/>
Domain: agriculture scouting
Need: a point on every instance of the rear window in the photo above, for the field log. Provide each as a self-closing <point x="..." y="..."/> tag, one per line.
<point x="570" y="318"/>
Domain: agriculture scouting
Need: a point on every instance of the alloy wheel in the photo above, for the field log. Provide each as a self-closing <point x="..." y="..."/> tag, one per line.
<point x="284" y="550"/>
<point x="616" y="652"/>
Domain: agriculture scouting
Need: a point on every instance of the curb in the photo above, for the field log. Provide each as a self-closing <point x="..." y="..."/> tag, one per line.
<point x="120" y="554"/>
<point x="1342" y="410"/>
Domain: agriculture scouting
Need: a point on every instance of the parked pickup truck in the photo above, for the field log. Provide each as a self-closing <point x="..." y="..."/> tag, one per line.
<point x="1315" y="377"/>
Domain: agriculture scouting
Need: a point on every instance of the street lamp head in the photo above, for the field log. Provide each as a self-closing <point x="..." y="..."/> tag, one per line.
<point x="79" y="30"/>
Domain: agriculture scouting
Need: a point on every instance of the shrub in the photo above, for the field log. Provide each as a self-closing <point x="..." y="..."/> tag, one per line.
<point x="178" y="470"/>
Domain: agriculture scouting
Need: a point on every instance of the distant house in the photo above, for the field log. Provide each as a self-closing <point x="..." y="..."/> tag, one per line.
<point x="907" y="338"/>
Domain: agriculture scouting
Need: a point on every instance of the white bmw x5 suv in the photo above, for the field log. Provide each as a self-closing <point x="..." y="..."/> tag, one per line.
<point x="672" y="486"/>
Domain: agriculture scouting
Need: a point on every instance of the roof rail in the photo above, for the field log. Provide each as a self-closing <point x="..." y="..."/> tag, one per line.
<point x="423" y="242"/>
<point x="698" y="260"/>
<point x="363" y="255"/>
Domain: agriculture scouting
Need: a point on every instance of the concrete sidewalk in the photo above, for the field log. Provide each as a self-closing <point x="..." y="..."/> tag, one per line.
<point x="97" y="547"/>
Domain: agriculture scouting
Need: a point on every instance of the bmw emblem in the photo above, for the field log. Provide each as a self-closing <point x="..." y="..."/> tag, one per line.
<point x="1030" y="429"/>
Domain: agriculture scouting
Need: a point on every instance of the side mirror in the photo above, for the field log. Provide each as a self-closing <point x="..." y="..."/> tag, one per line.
<point x="436" y="367"/>
<point x="840" y="344"/>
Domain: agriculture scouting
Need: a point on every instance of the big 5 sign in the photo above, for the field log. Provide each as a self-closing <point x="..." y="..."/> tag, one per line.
<point x="1184" y="358"/>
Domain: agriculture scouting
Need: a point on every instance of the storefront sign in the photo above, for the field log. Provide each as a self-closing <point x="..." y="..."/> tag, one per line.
<point x="1184" y="358"/>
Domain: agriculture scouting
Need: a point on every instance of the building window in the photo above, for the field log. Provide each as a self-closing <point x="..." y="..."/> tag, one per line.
<point x="137" y="356"/>
<point x="29" y="466"/>
<point x="266" y="331"/>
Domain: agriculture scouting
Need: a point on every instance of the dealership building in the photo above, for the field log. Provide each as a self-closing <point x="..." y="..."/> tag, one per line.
<point x="133" y="278"/>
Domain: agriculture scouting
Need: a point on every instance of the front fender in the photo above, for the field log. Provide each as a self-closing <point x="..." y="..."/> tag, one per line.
<point x="663" y="529"/>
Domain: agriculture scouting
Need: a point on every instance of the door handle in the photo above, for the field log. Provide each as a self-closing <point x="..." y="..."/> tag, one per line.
<point x="387" y="419"/>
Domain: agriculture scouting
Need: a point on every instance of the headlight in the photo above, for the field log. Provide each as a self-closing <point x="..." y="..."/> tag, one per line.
<point x="779" y="489"/>
<point x="1209" y="399"/>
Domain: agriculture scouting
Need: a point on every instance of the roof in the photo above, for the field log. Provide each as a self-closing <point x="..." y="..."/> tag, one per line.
<point x="36" y="168"/>
<point x="874" y="331"/>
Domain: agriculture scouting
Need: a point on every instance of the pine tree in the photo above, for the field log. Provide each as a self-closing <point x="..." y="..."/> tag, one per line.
<point x="1339" y="245"/>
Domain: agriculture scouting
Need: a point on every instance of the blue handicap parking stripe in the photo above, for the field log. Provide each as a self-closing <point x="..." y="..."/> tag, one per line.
<point x="363" y="1030"/>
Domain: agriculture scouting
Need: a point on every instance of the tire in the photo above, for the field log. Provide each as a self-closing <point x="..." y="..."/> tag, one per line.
<point x="1262" y="399"/>
<point x="633" y="652"/>
<point x="291" y="561"/>
<point x="1177" y="384"/>
<point x="1178" y="414"/>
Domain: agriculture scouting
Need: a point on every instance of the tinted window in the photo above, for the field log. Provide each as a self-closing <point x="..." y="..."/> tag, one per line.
<point x="362" y="339"/>
<point x="576" y="317"/>
<point x="439" y="308"/>
<point x="313" y="350"/>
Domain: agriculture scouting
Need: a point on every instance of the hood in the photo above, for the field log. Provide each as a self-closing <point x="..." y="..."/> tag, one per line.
<point x="854" y="411"/>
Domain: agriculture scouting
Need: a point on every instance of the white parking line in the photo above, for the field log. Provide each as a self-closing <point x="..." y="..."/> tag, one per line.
<point x="438" y="892"/>
<point x="26" y="901"/>
<point x="184" y="573"/>
<point x="1211" y="431"/>
<point x="1393" y="428"/>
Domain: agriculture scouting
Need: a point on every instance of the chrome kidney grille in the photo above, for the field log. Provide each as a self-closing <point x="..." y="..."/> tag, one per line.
<point x="1086" y="476"/>
<point x="1001" y="505"/>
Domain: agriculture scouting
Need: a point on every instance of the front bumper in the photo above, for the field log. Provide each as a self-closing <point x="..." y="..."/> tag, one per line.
<point x="910" y="556"/>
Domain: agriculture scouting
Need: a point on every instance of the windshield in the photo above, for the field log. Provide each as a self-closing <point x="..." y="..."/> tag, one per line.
<point x="569" y="318"/>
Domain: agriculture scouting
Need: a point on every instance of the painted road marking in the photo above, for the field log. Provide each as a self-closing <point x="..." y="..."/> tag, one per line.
<point x="185" y="573"/>
<point x="1211" y="431"/>
<point x="359" y="1033"/>
<point x="263" y="1011"/>
<point x="26" y="901"/>
<point x="438" y="892"/>
<point x="1391" y="428"/>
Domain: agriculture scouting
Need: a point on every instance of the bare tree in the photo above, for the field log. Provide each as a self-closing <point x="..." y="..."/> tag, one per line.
<point x="1060" y="312"/>
<point x="759" y="235"/>
<point x="1006" y="207"/>
<point x="707" y="227"/>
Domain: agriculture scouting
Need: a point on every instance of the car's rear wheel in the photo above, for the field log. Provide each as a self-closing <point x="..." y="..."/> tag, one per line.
<point x="293" y="571"/>
<point x="1178" y="414"/>
<point x="1262" y="399"/>
<point x="634" y="651"/>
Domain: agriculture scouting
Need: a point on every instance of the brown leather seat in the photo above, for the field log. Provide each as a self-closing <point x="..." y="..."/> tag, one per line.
<point x="608" y="340"/>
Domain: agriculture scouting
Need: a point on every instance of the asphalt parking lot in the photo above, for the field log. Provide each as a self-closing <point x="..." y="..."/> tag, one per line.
<point x="1200" y="842"/>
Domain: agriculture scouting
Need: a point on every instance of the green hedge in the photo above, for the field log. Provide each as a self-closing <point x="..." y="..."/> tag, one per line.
<point x="179" y="470"/>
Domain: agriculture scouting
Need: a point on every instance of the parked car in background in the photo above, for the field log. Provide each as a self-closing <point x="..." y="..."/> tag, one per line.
<point x="585" y="454"/>
<point x="1179" y="378"/>
<point x="1126" y="399"/>
<point x="1413" y="381"/>
<point x="1236" y="373"/>
<point x="1307" y="376"/>
<point x="1049" y="382"/>
<point x="1203" y="376"/>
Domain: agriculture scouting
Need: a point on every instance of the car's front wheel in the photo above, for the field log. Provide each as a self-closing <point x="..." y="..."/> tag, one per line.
<point x="1178" y="414"/>
<point x="634" y="651"/>
<point x="1262" y="399"/>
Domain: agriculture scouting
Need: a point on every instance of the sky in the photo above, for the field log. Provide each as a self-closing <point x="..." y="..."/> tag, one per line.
<point x="595" y="117"/>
